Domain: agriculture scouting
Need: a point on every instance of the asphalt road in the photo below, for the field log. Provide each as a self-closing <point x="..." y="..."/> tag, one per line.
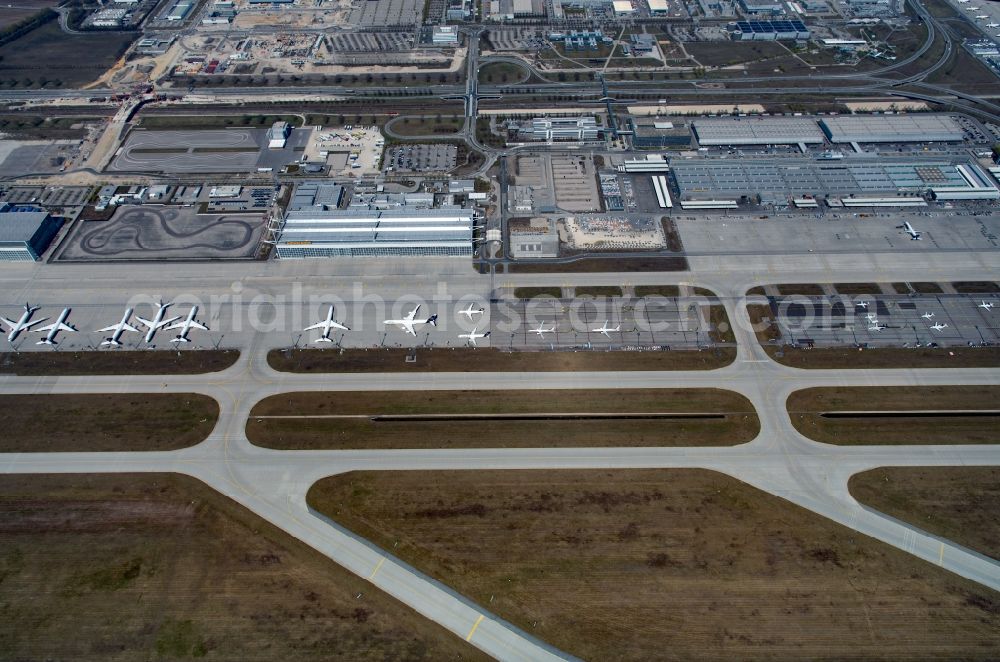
<point x="274" y="483"/>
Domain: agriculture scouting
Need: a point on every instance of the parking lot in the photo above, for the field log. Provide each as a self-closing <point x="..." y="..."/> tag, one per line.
<point x="422" y="158"/>
<point x="888" y="320"/>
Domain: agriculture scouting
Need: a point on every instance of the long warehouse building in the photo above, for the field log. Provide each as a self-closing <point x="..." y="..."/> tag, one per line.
<point x="758" y="131"/>
<point x="399" y="232"/>
<point x="892" y="128"/>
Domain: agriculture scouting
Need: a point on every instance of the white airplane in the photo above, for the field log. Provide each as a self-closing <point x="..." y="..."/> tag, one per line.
<point x="982" y="17"/>
<point x="22" y="324"/>
<point x="326" y="325"/>
<point x="986" y="305"/>
<point x="862" y="304"/>
<point x="872" y="317"/>
<point x="158" y="321"/>
<point x="409" y="322"/>
<point x="118" y="329"/>
<point x="877" y="327"/>
<point x="470" y="311"/>
<point x="54" y="329"/>
<point x="939" y="326"/>
<point x="993" y="25"/>
<point x="186" y="325"/>
<point x="541" y="331"/>
<point x="472" y="335"/>
<point x="928" y="316"/>
<point x="962" y="2"/>
<point x="909" y="229"/>
<point x="606" y="330"/>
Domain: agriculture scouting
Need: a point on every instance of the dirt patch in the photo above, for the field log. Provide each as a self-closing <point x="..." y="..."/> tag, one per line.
<point x="801" y="289"/>
<point x="858" y="288"/>
<point x="609" y="264"/>
<point x="535" y="292"/>
<point x="105" y="422"/>
<point x="668" y="291"/>
<point x="976" y="287"/>
<point x="598" y="291"/>
<point x="763" y="323"/>
<point x="406" y="419"/>
<point x="159" y="566"/>
<point x="491" y="360"/>
<point x="117" y="363"/>
<point x="826" y="358"/>
<point x="625" y="565"/>
<point x="961" y="504"/>
<point x="805" y="408"/>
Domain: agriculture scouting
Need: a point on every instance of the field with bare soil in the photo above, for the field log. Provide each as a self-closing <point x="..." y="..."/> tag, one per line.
<point x="679" y="564"/>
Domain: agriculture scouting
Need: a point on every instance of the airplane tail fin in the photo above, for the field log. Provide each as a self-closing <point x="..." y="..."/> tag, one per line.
<point x="45" y="341"/>
<point x="323" y="339"/>
<point x="111" y="342"/>
<point x="180" y="339"/>
<point x="433" y="320"/>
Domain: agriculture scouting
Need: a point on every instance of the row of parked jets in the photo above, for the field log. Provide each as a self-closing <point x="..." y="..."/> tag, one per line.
<point x="981" y="17"/>
<point x="159" y="321"/>
<point x="873" y="324"/>
<point x="410" y="323"/>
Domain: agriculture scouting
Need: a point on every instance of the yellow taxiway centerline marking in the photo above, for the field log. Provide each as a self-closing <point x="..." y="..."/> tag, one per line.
<point x="474" y="626"/>
<point x="378" y="566"/>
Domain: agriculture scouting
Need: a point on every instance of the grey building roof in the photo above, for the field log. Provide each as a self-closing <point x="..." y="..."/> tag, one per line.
<point x="892" y="128"/>
<point x="20" y="227"/>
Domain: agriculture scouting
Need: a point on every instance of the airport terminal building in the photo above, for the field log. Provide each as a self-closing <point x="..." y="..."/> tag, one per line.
<point x="364" y="232"/>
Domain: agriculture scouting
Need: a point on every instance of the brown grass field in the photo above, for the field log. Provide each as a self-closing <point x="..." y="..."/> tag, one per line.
<point x="350" y="419"/>
<point x="961" y="504"/>
<point x="160" y="567"/>
<point x="117" y="363"/>
<point x="805" y="407"/>
<point x="666" y="564"/>
<point x="98" y="422"/>
<point x="823" y="358"/>
<point x="492" y="360"/>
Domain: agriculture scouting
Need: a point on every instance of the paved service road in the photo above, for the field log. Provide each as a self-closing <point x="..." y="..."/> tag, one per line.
<point x="779" y="461"/>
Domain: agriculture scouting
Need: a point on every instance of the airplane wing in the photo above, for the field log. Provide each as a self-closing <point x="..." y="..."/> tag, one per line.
<point x="338" y="325"/>
<point x="10" y="323"/>
<point x="56" y="325"/>
<point x="113" y="327"/>
<point x="318" y="325"/>
<point x="175" y="325"/>
<point x="198" y="325"/>
<point x="146" y="323"/>
<point x="408" y="326"/>
<point x="129" y="327"/>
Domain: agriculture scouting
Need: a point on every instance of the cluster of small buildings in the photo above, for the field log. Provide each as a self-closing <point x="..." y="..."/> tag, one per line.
<point x="561" y="129"/>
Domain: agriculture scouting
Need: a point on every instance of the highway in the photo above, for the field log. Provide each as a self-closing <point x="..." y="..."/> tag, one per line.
<point x="274" y="483"/>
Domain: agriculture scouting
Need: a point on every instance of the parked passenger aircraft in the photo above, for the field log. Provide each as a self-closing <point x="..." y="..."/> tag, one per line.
<point x="939" y="326"/>
<point x="982" y="17"/>
<point x="471" y="310"/>
<point x="158" y="321"/>
<point x="54" y="329"/>
<point x="993" y="25"/>
<point x="22" y="324"/>
<point x="326" y="325"/>
<point x="877" y="327"/>
<point x="872" y="317"/>
<point x="862" y="304"/>
<point x="541" y="331"/>
<point x="472" y="335"/>
<point x="927" y="316"/>
<point x="186" y="325"/>
<point x="909" y="229"/>
<point x="118" y="329"/>
<point x="606" y="330"/>
<point x="409" y="322"/>
<point x="986" y="306"/>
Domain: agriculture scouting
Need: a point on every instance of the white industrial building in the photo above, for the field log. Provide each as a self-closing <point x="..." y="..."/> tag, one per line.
<point x="398" y="232"/>
<point x="564" y="128"/>
<point x="25" y="232"/>
<point x="892" y="128"/>
<point x="277" y="135"/>
<point x="758" y="131"/>
<point x="444" y="35"/>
